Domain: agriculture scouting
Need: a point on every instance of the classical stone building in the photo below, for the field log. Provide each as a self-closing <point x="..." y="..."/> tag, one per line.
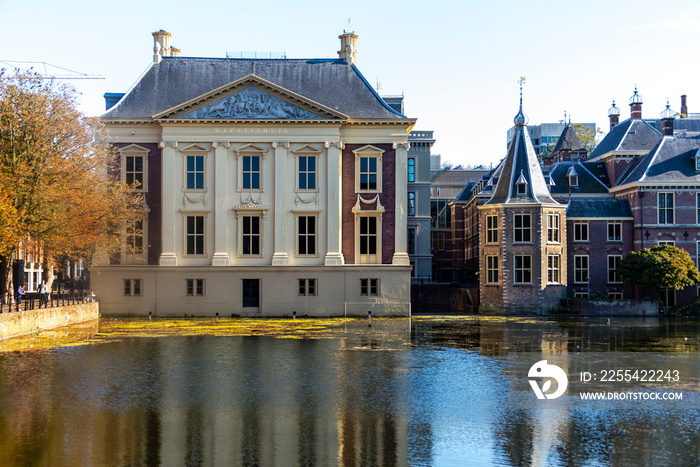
<point x="273" y="186"/>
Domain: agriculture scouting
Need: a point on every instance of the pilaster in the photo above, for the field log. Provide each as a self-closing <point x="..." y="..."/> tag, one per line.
<point x="334" y="176"/>
<point x="221" y="257"/>
<point x="280" y="257"/>
<point x="168" y="256"/>
<point x="400" y="212"/>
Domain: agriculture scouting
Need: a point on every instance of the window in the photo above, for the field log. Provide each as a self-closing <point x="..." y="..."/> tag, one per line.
<point x="667" y="242"/>
<point x="306" y="235"/>
<point x="553" y="228"/>
<point x="614" y="231"/>
<point x="523" y="269"/>
<point x="250" y="235"/>
<point x="668" y="297"/>
<point x="251" y="293"/>
<point x="613" y="262"/>
<point x="521" y="188"/>
<point x="441" y="241"/>
<point x="440" y="213"/>
<point x="580" y="294"/>
<point x="195" y="172"/>
<point x="195" y="287"/>
<point x="369" y="287"/>
<point x="133" y="170"/>
<point x="369" y="173"/>
<point x="307" y="172"/>
<point x="369" y="240"/>
<point x="491" y="229"/>
<point x="615" y="295"/>
<point x="665" y="208"/>
<point x="411" y="203"/>
<point x="521" y="224"/>
<point x="492" y="269"/>
<point x="307" y="287"/>
<point x="573" y="180"/>
<point x="134" y="239"/>
<point x="411" y="241"/>
<point x="580" y="231"/>
<point x="195" y="235"/>
<point x="411" y="169"/>
<point x="132" y="287"/>
<point x="251" y="172"/>
<point x="581" y="272"/>
<point x="553" y="269"/>
<point x="697" y="207"/>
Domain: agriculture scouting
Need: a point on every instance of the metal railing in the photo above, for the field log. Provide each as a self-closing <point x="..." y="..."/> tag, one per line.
<point x="36" y="300"/>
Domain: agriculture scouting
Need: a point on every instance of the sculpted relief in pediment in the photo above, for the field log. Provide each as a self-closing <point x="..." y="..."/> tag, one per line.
<point x="251" y="103"/>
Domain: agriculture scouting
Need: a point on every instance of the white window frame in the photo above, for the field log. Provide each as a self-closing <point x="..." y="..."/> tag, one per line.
<point x="195" y="288"/>
<point x="613" y="277"/>
<point x="306" y="151"/>
<point x="666" y="242"/>
<point x="132" y="287"/>
<point x="615" y="295"/>
<point x="134" y="150"/>
<point x="369" y="287"/>
<point x="664" y="211"/>
<point x="616" y="226"/>
<point x="368" y="258"/>
<point x="307" y="287"/>
<point x="584" y="272"/>
<point x="129" y="255"/>
<point x="195" y="171"/>
<point x="411" y="203"/>
<point x="242" y="212"/>
<point x="247" y="151"/>
<point x="554" y="269"/>
<point x="298" y="236"/>
<point x="368" y="152"/>
<point x="411" y="174"/>
<point x="580" y="294"/>
<point x="187" y="234"/>
<point x="579" y="228"/>
<point x="553" y="228"/>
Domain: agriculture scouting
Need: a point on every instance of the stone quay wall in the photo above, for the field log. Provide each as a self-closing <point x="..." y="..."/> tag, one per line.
<point x="18" y="323"/>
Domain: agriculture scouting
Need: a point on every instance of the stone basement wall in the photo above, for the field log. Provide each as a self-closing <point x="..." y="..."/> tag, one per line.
<point x="615" y="307"/>
<point x="25" y="322"/>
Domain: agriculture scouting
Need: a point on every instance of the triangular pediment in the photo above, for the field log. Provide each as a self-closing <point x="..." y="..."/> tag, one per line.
<point x="306" y="149"/>
<point x="251" y="98"/>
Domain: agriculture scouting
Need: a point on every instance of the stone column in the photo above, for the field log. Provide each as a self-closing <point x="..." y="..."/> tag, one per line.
<point x="221" y="257"/>
<point x="334" y="188"/>
<point x="401" y="205"/>
<point x="280" y="257"/>
<point x="168" y="257"/>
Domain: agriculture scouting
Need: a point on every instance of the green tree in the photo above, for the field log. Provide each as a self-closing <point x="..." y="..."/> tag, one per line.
<point x="660" y="267"/>
<point x="588" y="137"/>
<point x="55" y="166"/>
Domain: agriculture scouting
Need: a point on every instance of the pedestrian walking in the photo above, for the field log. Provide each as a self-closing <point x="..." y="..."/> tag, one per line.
<point x="20" y="292"/>
<point x="44" y="294"/>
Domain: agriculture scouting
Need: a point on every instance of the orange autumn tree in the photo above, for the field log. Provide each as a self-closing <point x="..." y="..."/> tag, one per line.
<point x="56" y="186"/>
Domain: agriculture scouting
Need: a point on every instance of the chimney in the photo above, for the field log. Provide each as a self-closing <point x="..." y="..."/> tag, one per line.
<point x="348" y="47"/>
<point x="684" y="107"/>
<point x="174" y="52"/>
<point x="667" y="117"/>
<point x="636" y="105"/>
<point x="614" y="115"/>
<point x="161" y="45"/>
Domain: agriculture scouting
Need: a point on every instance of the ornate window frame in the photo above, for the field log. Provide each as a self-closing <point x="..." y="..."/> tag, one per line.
<point x="368" y="152"/>
<point x="195" y="213"/>
<point x="306" y="151"/>
<point x="194" y="150"/>
<point x="135" y="150"/>
<point x="250" y="211"/>
<point x="250" y="150"/>
<point x="297" y="215"/>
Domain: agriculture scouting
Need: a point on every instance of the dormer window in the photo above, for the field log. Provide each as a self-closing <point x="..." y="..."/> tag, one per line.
<point x="521" y="185"/>
<point x="572" y="176"/>
<point x="696" y="159"/>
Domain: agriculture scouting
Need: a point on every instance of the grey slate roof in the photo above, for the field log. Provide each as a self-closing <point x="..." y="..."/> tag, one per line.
<point x="521" y="159"/>
<point x="568" y="141"/>
<point x="679" y="124"/>
<point x="630" y="135"/>
<point x="175" y="80"/>
<point x="672" y="160"/>
<point x="592" y="178"/>
<point x="605" y="208"/>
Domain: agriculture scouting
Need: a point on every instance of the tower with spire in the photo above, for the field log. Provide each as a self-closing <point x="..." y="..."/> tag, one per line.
<point x="522" y="237"/>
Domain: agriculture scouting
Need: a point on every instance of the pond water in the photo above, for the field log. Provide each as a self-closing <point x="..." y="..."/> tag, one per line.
<point x="424" y="391"/>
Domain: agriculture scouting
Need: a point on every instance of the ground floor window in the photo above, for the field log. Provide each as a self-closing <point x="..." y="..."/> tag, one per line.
<point x="580" y="294"/>
<point x="613" y="262"/>
<point x="615" y="295"/>
<point x="195" y="287"/>
<point x="307" y="287"/>
<point x="369" y="240"/>
<point x="668" y="297"/>
<point x="581" y="269"/>
<point x="492" y="269"/>
<point x="251" y="293"/>
<point x="523" y="269"/>
<point x="369" y="287"/>
<point x="553" y="269"/>
<point x="132" y="287"/>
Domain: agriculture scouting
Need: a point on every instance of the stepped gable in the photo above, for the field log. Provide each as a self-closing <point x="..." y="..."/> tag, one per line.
<point x="521" y="165"/>
<point x="633" y="135"/>
<point x="671" y="161"/>
<point x="331" y="83"/>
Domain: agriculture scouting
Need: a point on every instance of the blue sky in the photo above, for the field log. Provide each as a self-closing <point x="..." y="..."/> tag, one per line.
<point x="456" y="62"/>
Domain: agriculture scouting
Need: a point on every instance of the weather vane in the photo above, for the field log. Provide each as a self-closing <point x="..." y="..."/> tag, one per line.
<point x="521" y="81"/>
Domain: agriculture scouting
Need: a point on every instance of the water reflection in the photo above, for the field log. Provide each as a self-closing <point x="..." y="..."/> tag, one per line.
<point x="427" y="392"/>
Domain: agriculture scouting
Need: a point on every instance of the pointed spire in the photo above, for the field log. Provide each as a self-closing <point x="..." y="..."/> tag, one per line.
<point x="521" y="119"/>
